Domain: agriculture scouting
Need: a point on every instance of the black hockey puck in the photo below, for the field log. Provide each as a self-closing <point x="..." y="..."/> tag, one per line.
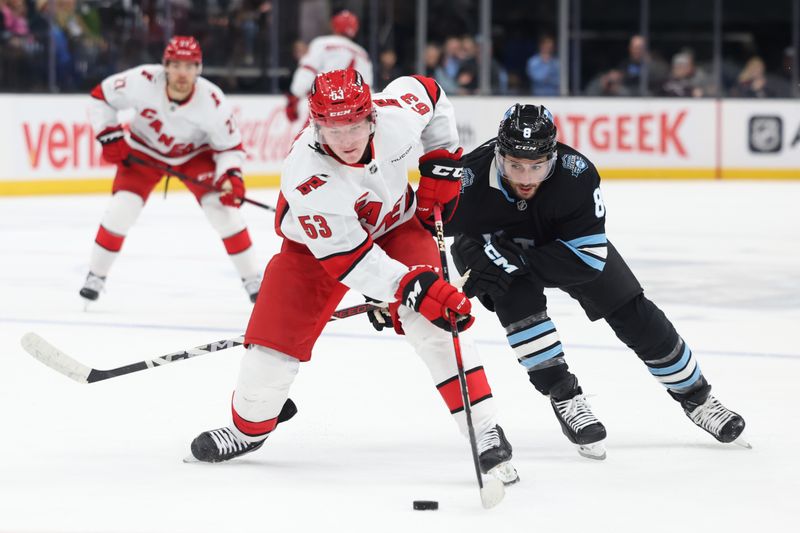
<point x="425" y="505"/>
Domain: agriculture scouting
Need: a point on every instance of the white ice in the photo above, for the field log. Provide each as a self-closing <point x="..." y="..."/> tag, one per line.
<point x="721" y="258"/>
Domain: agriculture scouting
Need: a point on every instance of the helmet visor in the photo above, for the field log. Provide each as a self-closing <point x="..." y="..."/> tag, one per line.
<point x="525" y="171"/>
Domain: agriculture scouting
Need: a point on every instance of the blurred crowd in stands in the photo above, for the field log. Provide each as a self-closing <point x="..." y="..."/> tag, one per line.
<point x="70" y="45"/>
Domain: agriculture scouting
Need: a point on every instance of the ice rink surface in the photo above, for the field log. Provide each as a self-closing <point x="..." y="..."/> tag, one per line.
<point x="721" y="259"/>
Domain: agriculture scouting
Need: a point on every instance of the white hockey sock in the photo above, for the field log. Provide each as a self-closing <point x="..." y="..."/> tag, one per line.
<point x="435" y="347"/>
<point x="265" y="376"/>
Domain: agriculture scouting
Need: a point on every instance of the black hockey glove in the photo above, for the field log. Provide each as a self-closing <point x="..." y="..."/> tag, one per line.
<point x="380" y="317"/>
<point x="493" y="265"/>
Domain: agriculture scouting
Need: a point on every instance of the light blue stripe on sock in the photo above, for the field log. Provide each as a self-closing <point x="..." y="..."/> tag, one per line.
<point x="671" y="369"/>
<point x="542" y="357"/>
<point x="530" y="333"/>
<point x="687" y="382"/>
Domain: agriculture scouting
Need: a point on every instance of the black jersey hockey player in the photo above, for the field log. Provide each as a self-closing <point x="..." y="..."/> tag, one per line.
<point x="527" y="213"/>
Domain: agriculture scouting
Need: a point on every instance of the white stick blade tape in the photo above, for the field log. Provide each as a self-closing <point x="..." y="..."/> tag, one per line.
<point x="54" y="358"/>
<point x="492" y="492"/>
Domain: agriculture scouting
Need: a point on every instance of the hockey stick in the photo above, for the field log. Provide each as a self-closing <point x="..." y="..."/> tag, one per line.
<point x="183" y="177"/>
<point x="492" y="491"/>
<point x="62" y="363"/>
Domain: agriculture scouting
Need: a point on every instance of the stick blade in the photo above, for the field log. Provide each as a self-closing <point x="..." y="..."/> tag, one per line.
<point x="492" y="492"/>
<point x="51" y="356"/>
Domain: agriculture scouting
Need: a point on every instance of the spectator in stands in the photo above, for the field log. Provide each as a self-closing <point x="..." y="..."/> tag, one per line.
<point x="433" y="61"/>
<point x="780" y="83"/>
<point x="608" y="84"/>
<point x="467" y="77"/>
<point x="543" y="69"/>
<point x="387" y="69"/>
<point x="752" y="82"/>
<point x="450" y="65"/>
<point x="632" y="68"/>
<point x="686" y="80"/>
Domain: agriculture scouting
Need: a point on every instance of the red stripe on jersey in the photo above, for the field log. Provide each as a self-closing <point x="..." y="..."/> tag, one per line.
<point x="253" y="429"/>
<point x="280" y="214"/>
<point x="238" y="147"/>
<point x="477" y="385"/>
<point x="237" y="243"/>
<point x="431" y="87"/>
<point x="97" y="92"/>
<point x="110" y="241"/>
<point x="312" y="69"/>
<point x="339" y="265"/>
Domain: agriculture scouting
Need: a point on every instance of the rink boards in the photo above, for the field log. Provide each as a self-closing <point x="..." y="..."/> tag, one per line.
<point x="47" y="145"/>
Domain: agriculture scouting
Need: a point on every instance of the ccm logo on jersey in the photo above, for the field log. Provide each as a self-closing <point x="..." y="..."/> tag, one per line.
<point x="440" y="170"/>
<point x="498" y="259"/>
<point x="314" y="182"/>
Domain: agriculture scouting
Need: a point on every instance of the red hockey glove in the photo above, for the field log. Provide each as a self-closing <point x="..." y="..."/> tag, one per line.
<point x="291" y="107"/>
<point x="439" y="183"/>
<point x="115" y="148"/>
<point x="424" y="291"/>
<point x="231" y="185"/>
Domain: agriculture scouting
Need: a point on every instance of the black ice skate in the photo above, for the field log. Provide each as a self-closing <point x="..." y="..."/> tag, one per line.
<point x="495" y="456"/>
<point x="223" y="444"/>
<point x="710" y="415"/>
<point x="577" y="421"/>
<point x="92" y="287"/>
<point x="220" y="445"/>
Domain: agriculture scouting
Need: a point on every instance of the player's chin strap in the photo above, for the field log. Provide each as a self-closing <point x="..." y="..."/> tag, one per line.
<point x="169" y="171"/>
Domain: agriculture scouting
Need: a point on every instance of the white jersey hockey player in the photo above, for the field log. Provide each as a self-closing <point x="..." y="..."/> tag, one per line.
<point x="346" y="213"/>
<point x="329" y="52"/>
<point x="180" y="120"/>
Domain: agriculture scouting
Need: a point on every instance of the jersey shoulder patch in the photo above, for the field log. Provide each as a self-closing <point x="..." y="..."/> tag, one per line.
<point x="312" y="183"/>
<point x="574" y="163"/>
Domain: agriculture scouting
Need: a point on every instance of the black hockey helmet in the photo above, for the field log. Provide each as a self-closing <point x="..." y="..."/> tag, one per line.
<point x="527" y="131"/>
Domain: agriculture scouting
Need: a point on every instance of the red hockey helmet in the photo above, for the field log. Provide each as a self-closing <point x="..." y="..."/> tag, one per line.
<point x="339" y="97"/>
<point x="345" y="23"/>
<point x="183" y="48"/>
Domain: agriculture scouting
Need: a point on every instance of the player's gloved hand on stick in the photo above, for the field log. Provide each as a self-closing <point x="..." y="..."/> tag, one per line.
<point x="231" y="185"/>
<point x="291" y="107"/>
<point x="424" y="291"/>
<point x="380" y="317"/>
<point x="439" y="183"/>
<point x="493" y="265"/>
<point x="115" y="148"/>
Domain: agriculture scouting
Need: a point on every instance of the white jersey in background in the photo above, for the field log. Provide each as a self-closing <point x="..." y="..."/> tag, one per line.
<point x="329" y="52"/>
<point x="168" y="131"/>
<point x="337" y="209"/>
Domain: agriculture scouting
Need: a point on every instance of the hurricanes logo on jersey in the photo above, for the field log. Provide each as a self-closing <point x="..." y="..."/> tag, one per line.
<point x="312" y="183"/>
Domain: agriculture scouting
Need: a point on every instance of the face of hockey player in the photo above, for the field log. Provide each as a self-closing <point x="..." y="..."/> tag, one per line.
<point x="181" y="77"/>
<point x="523" y="176"/>
<point x="347" y="141"/>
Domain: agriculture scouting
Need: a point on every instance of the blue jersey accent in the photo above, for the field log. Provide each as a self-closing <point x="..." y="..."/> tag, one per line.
<point x="593" y="262"/>
<point x="599" y="238"/>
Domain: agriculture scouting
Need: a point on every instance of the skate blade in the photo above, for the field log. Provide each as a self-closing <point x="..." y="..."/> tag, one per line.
<point x="492" y="492"/>
<point x="505" y="472"/>
<point x="190" y="459"/>
<point x="596" y="451"/>
<point x="741" y="441"/>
